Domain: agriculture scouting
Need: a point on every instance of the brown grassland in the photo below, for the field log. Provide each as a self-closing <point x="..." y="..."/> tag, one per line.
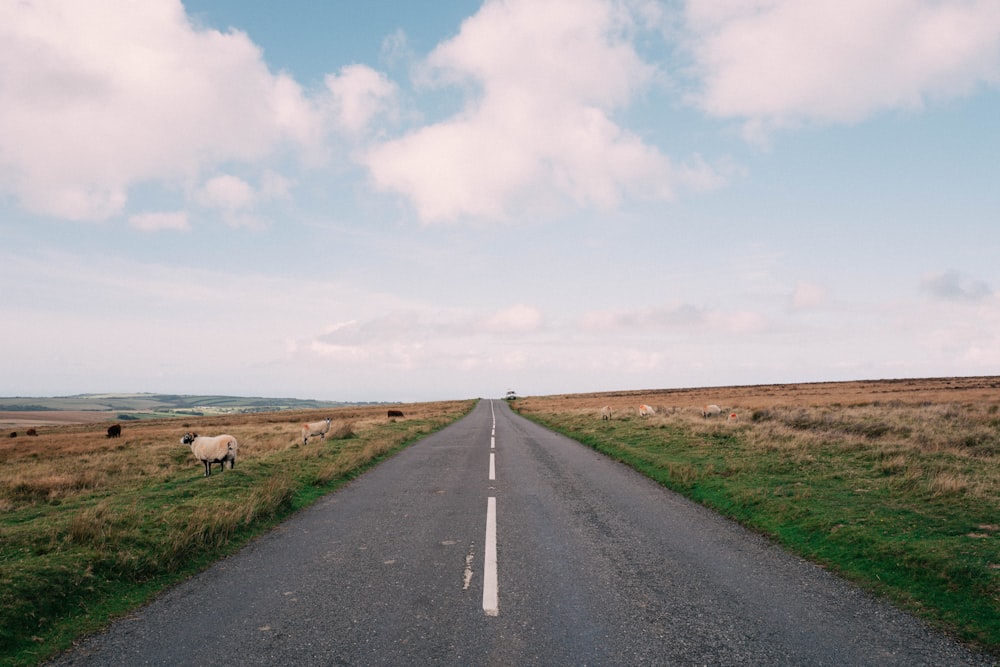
<point x="91" y="527"/>
<point x="894" y="484"/>
<point x="944" y="391"/>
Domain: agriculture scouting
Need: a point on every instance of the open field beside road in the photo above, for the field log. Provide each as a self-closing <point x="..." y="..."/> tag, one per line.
<point x="90" y="527"/>
<point x="893" y="484"/>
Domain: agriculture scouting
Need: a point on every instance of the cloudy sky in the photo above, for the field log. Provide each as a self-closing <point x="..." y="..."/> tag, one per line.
<point x="415" y="201"/>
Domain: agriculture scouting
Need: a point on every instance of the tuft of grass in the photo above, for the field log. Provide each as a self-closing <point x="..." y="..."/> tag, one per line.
<point x="342" y="431"/>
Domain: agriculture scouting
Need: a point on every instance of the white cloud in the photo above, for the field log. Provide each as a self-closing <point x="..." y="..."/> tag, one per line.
<point x="737" y="322"/>
<point x="227" y="192"/>
<point x="681" y="318"/>
<point x="237" y="199"/>
<point x="516" y="319"/>
<point x="781" y="62"/>
<point x="426" y="339"/>
<point x="807" y="296"/>
<point x="358" y="94"/>
<point x="429" y="326"/>
<point x="663" y="317"/>
<point x="543" y="79"/>
<point x="99" y="96"/>
<point x="152" y="222"/>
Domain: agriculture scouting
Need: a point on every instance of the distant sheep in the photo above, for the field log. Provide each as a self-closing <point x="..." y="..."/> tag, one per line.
<point x="646" y="410"/>
<point x="212" y="449"/>
<point x="31" y="431"/>
<point x="733" y="417"/>
<point x="320" y="428"/>
<point x="606" y="412"/>
<point x="13" y="434"/>
<point x="395" y="413"/>
<point x="710" y="411"/>
<point x="114" y="431"/>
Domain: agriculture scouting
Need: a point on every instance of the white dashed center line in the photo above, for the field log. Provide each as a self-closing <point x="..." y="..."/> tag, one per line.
<point x="490" y="603"/>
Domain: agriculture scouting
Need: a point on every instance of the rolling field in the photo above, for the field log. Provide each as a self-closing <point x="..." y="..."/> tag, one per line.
<point x="893" y="484"/>
<point x="90" y="527"/>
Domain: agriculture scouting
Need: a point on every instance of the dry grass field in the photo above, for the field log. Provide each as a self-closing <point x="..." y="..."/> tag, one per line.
<point x="940" y="391"/>
<point x="91" y="526"/>
<point x="955" y="419"/>
<point x="71" y="454"/>
<point x="894" y="484"/>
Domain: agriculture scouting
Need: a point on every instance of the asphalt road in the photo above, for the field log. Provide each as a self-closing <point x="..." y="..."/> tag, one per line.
<point x="594" y="565"/>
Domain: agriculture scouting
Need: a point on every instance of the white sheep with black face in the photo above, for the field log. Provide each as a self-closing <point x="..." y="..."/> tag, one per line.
<point x="212" y="449"/>
<point x="712" y="410"/>
<point x="320" y="428"/>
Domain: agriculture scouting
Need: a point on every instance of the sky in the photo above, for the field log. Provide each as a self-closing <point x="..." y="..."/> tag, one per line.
<point x="399" y="201"/>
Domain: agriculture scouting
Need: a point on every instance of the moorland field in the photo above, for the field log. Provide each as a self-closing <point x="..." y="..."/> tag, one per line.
<point x="91" y="526"/>
<point x="894" y="484"/>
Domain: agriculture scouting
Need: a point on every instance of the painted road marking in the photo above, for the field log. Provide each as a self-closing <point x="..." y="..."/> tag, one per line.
<point x="491" y="604"/>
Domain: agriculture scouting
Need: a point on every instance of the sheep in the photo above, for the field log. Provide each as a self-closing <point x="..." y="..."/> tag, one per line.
<point x="733" y="417"/>
<point x="395" y="413"/>
<point x="606" y="412"/>
<point x="646" y="410"/>
<point x="31" y="431"/>
<point x="114" y="431"/>
<point x="13" y="434"/>
<point x="320" y="428"/>
<point x="710" y="411"/>
<point x="212" y="449"/>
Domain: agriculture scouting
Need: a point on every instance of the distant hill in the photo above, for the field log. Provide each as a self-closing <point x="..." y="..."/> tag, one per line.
<point x="161" y="403"/>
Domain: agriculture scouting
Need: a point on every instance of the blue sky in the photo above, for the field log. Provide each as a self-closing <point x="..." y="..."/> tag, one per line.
<point x="420" y="201"/>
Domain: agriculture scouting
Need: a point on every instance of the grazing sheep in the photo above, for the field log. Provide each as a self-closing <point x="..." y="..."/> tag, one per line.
<point x="31" y="431"/>
<point x="395" y="413"/>
<point x="212" y="449"/>
<point x="114" y="430"/>
<point x="606" y="412"/>
<point x="320" y="428"/>
<point x="710" y="411"/>
<point x="13" y="434"/>
<point x="646" y="410"/>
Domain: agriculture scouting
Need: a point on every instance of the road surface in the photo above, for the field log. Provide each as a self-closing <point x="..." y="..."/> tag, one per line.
<point x="497" y="542"/>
